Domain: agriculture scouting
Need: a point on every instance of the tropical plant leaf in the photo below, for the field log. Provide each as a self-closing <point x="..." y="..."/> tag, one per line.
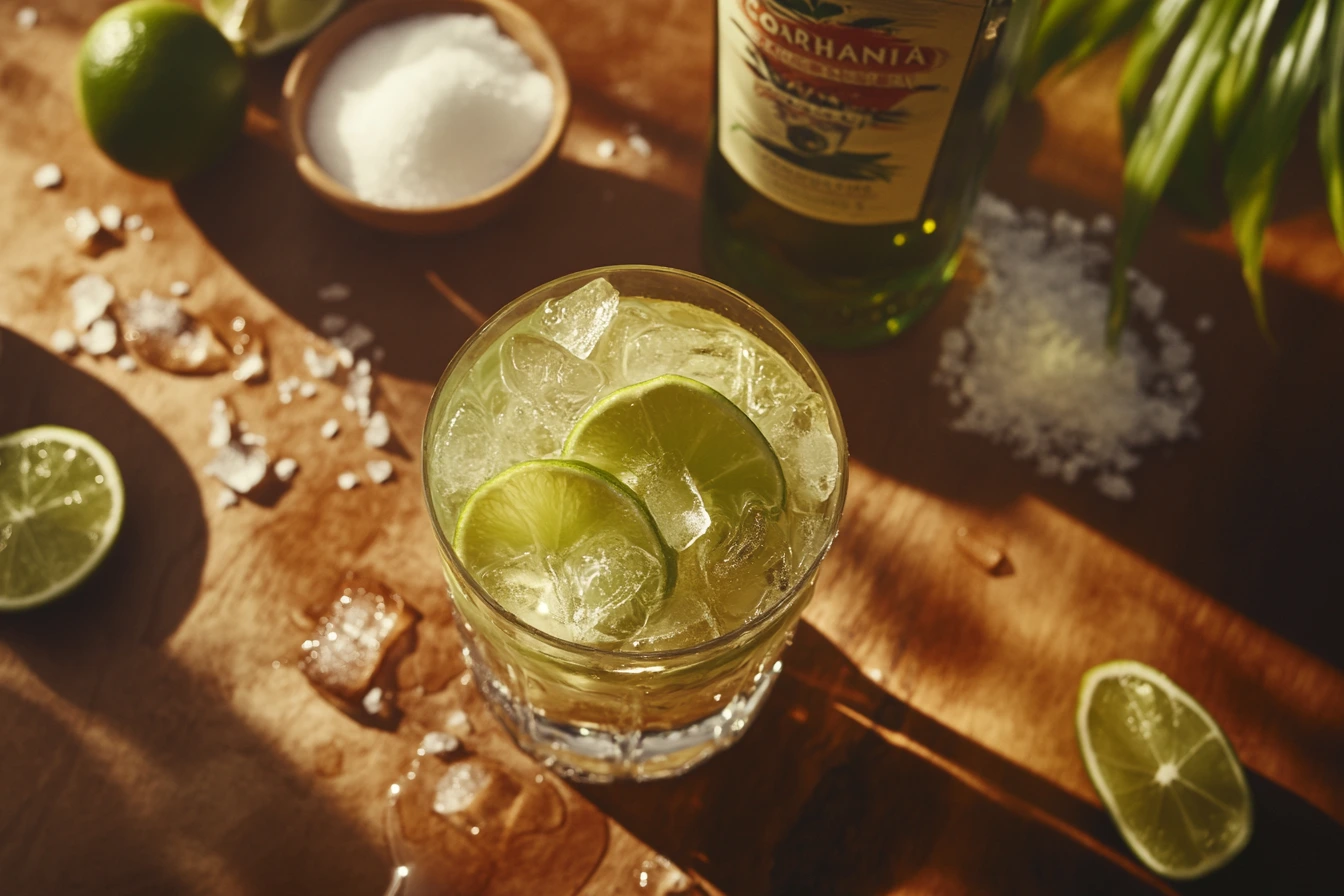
<point x="1062" y="26"/>
<point x="1108" y="20"/>
<point x="1164" y="22"/>
<point x="1331" y="133"/>
<point x="1194" y="188"/>
<point x="1176" y="106"/>
<point x="1244" y="63"/>
<point x="1264" y="142"/>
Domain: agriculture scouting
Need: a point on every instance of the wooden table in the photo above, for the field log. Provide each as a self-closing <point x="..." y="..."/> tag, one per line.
<point x="157" y="738"/>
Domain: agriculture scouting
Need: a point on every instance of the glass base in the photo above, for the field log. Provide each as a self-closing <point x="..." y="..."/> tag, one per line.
<point x="601" y="755"/>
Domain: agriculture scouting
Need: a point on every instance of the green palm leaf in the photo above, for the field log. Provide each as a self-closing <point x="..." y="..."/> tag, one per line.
<point x="1331" y="135"/>
<point x="1159" y="142"/>
<point x="1244" y="63"/>
<point x="1062" y="25"/>
<point x="1164" y="22"/>
<point x="1264" y="142"/>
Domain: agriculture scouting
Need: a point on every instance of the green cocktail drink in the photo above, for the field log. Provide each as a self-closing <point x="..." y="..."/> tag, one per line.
<point x="633" y="473"/>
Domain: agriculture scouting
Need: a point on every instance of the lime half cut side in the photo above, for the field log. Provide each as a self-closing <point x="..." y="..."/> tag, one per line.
<point x="685" y="449"/>
<point x="61" y="503"/>
<point x="1164" y="769"/>
<point x="568" y="549"/>
<point x="264" y="27"/>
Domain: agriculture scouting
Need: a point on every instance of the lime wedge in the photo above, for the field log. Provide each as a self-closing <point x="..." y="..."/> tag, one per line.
<point x="61" y="502"/>
<point x="1163" y="768"/>
<point x="264" y="27"/>
<point x="567" y="548"/>
<point x="687" y="451"/>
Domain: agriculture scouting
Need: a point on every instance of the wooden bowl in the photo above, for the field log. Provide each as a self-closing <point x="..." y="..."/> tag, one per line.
<point x="306" y="71"/>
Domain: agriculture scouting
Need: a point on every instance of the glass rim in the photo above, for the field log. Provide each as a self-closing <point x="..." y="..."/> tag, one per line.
<point x="836" y="507"/>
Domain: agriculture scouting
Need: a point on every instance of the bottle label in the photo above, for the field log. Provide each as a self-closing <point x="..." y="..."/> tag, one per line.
<point x="836" y="109"/>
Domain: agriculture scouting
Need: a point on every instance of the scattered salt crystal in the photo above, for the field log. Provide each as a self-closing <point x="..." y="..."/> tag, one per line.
<point x="1147" y="297"/>
<point x="377" y="353"/>
<point x="330" y="324"/>
<point x="379" y="471"/>
<point x="1029" y="368"/>
<point x="321" y="366"/>
<point x="334" y="292"/>
<point x="606" y="148"/>
<point x="330" y="428"/>
<point x="227" y="498"/>
<point x="1103" y="225"/>
<point x="147" y="233"/>
<point x="221" y="424"/>
<point x="133" y="222"/>
<point x="347" y="480"/>
<point x="1067" y="226"/>
<point x="388" y="115"/>
<point x="64" y="341"/>
<point x="377" y="432"/>
<point x="1204" y="323"/>
<point x="1115" y="487"/>
<point x="110" y="216"/>
<point x="640" y="145"/>
<point x="179" y="288"/>
<point x="439" y="743"/>
<point x="459" y="787"/>
<point x="48" y="176"/>
<point x="457" y="722"/>
<point x="127" y="363"/>
<point x="285" y="468"/>
<point x="308" y="389"/>
<point x="348" y="402"/>
<point x="83" y="225"/>
<point x="251" y="438"/>
<point x="90" y="295"/>
<point x="345" y="357"/>
<point x="100" y="338"/>
<point x="26" y="18"/>
<point x="240" y="467"/>
<point x="161" y="333"/>
<point x="251" y="368"/>
<point x="373" y="701"/>
<point x="356" y="337"/>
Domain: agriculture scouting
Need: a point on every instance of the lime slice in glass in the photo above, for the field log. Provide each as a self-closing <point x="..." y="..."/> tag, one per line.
<point x="1163" y="768"/>
<point x="263" y="27"/>
<point x="687" y="451"/>
<point x="61" y="502"/>
<point x="566" y="548"/>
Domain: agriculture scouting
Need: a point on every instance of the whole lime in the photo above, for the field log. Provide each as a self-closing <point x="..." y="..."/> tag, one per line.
<point x="160" y="89"/>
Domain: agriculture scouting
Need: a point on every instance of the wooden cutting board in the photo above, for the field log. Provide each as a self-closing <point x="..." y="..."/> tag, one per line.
<point x="158" y="737"/>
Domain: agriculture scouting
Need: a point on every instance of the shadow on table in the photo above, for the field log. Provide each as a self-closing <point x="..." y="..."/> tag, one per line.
<point x="279" y="235"/>
<point x="840" y="788"/>
<point x="155" y="784"/>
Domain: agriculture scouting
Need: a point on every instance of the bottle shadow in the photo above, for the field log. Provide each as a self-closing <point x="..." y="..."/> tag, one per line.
<point x="572" y="218"/>
<point x="840" y="788"/>
<point x="124" y="771"/>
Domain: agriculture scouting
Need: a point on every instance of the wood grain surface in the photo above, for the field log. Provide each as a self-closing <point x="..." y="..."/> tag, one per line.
<point x="157" y="737"/>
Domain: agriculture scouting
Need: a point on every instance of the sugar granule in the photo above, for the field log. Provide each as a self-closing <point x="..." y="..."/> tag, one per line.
<point x="1029" y="367"/>
<point x="428" y="110"/>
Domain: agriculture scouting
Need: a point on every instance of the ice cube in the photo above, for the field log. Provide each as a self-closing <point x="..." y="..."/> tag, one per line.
<point x="163" y="335"/>
<point x="745" y="563"/>
<point x="90" y="295"/>
<point x="459" y="787"/>
<point x="603" y="586"/>
<point x="807" y="450"/>
<point x="721" y="359"/>
<point x="465" y="454"/>
<point x="677" y="506"/>
<point x="578" y="320"/>
<point x="356" y="639"/>
<point x="100" y="338"/>
<point x="556" y="385"/>
<point x="772" y="384"/>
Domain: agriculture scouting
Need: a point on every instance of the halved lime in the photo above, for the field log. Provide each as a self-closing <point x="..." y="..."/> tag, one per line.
<point x="263" y="27"/>
<point x="61" y="502"/>
<point x="567" y="548"/>
<point x="1163" y="768"/>
<point x="684" y="449"/>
